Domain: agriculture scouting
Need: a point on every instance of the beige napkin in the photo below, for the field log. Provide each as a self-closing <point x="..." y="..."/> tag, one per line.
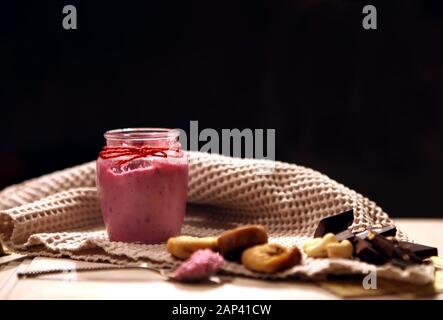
<point x="58" y="215"/>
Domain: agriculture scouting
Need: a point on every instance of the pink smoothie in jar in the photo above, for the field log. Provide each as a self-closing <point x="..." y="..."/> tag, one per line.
<point x="142" y="179"/>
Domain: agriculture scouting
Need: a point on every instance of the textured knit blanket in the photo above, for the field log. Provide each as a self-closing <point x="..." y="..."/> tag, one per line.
<point x="58" y="215"/>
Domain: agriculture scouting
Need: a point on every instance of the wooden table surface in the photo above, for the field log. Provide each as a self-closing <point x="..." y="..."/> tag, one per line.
<point x="143" y="284"/>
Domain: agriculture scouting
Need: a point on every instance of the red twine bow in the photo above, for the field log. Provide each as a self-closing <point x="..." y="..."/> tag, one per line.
<point x="135" y="152"/>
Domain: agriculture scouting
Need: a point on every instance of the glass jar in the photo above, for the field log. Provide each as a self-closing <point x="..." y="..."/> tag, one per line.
<point x="142" y="181"/>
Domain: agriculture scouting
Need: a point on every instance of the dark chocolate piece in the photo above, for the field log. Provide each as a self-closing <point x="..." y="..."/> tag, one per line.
<point x="378" y="246"/>
<point x="419" y="250"/>
<point x="388" y="231"/>
<point x="334" y="224"/>
<point x="392" y="251"/>
<point x="386" y="247"/>
<point x="366" y="252"/>
<point x="345" y="235"/>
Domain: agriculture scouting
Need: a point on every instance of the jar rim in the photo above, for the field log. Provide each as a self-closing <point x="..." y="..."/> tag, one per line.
<point x="141" y="134"/>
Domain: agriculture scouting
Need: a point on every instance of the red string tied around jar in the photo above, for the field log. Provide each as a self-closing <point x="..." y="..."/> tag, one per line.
<point x="133" y="152"/>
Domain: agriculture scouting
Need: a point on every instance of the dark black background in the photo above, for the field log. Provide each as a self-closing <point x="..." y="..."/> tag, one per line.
<point x="364" y="107"/>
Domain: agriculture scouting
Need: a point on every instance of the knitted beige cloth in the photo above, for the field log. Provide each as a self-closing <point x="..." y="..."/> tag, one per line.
<point x="58" y="215"/>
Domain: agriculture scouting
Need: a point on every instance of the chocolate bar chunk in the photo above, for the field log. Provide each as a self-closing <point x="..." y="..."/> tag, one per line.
<point x="366" y="252"/>
<point x="388" y="231"/>
<point x="420" y="250"/>
<point x="386" y="247"/>
<point x="392" y="251"/>
<point x="334" y="224"/>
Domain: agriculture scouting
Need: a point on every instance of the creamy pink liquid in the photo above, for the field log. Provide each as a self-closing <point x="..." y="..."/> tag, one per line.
<point x="145" y="203"/>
